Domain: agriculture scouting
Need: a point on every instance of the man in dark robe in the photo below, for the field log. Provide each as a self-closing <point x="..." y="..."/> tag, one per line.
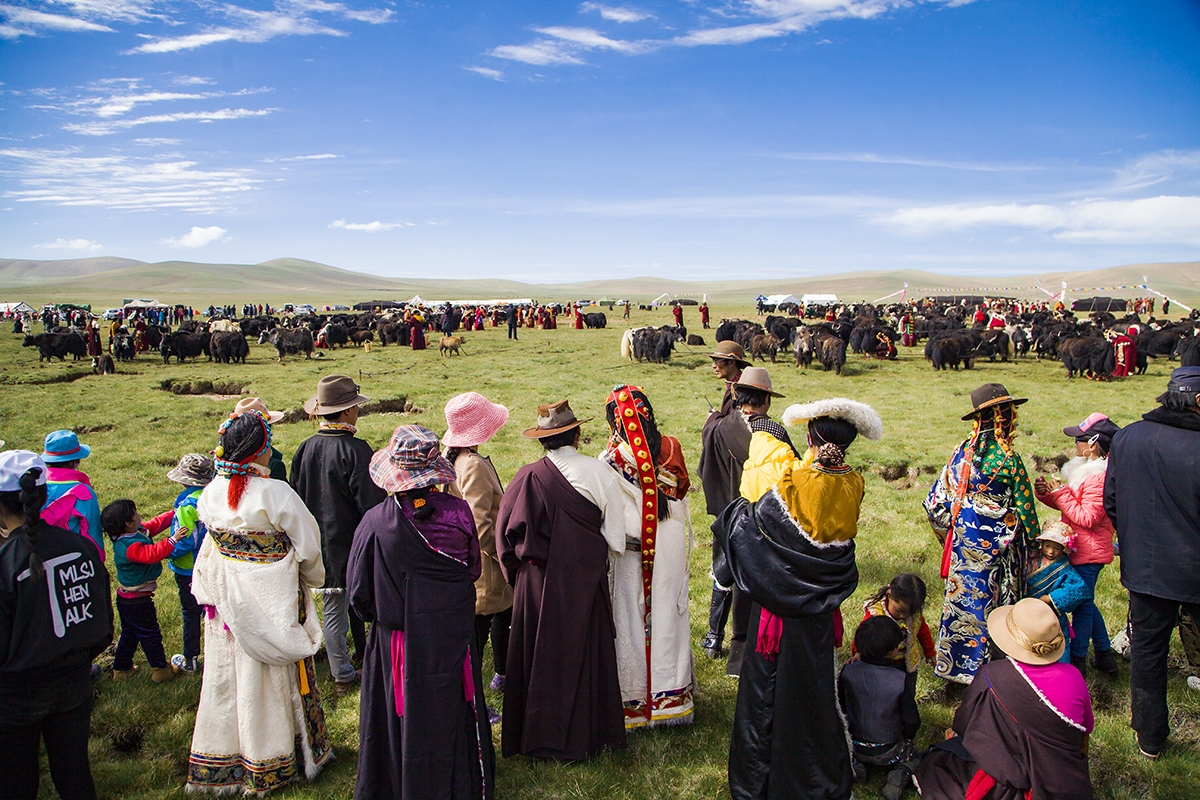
<point x="558" y="521"/>
<point x="788" y="738"/>
<point x="329" y="472"/>
<point x="725" y="443"/>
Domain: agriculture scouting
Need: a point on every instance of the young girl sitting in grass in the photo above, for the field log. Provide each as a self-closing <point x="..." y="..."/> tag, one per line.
<point x="903" y="600"/>
<point x="138" y="561"/>
<point x="1053" y="580"/>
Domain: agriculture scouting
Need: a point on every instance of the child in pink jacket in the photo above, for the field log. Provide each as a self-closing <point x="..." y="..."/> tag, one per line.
<point x="1080" y="500"/>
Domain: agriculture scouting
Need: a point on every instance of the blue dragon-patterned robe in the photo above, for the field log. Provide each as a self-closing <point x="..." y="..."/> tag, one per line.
<point x="993" y="530"/>
<point x="1066" y="589"/>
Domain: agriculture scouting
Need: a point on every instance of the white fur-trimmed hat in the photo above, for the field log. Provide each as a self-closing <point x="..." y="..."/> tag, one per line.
<point x="860" y="415"/>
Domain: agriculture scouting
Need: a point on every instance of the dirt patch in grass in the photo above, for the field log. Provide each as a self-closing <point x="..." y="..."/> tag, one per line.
<point x="903" y="475"/>
<point x="391" y="405"/>
<point x="217" y="390"/>
<point x="1049" y="463"/>
<point x="128" y="739"/>
<point x="61" y="377"/>
<point x="83" y="430"/>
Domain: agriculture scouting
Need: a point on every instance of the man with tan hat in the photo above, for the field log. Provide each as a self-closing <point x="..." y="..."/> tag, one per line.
<point x="560" y="518"/>
<point x="725" y="443"/>
<point x="330" y="473"/>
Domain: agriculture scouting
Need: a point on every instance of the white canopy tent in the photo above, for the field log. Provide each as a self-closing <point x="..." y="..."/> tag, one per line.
<point x="15" y="308"/>
<point x="819" y="299"/>
<point x="779" y="299"/>
<point x="667" y="297"/>
<point x="139" y="304"/>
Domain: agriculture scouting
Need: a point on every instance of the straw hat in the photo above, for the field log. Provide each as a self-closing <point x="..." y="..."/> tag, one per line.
<point x="554" y="418"/>
<point x="64" y="446"/>
<point x="756" y="378"/>
<point x="194" y="469"/>
<point x="992" y="394"/>
<point x="255" y="404"/>
<point x="1028" y="632"/>
<point x="471" y="419"/>
<point x="411" y="460"/>
<point x="730" y="351"/>
<point x="334" y="393"/>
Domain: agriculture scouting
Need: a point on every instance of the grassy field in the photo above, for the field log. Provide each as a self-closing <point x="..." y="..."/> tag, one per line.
<point x="141" y="731"/>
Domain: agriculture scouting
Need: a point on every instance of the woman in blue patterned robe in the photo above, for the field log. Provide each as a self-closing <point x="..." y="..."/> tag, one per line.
<point x="982" y="507"/>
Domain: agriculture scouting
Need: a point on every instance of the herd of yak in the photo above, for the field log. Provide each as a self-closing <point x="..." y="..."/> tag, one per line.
<point x="949" y="342"/>
<point x="864" y="329"/>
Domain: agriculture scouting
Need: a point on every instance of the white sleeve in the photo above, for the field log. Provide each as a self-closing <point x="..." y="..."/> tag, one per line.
<point x="288" y="513"/>
<point x="614" y="527"/>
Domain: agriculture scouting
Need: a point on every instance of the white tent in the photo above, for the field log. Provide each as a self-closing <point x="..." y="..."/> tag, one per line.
<point x="15" y="308"/>
<point x="417" y="300"/>
<point x="819" y="299"/>
<point x="779" y="299"/>
<point x="136" y="304"/>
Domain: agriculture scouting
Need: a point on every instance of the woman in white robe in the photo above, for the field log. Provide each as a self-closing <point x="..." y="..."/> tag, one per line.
<point x="659" y="547"/>
<point x="259" y="725"/>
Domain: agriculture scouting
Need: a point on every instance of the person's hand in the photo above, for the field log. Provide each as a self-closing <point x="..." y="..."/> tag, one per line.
<point x="950" y="734"/>
<point x="180" y="534"/>
<point x="1042" y="485"/>
<point x="855" y="657"/>
<point x="1046" y="599"/>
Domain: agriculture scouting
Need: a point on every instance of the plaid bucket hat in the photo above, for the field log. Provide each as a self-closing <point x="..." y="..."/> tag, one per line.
<point x="411" y="460"/>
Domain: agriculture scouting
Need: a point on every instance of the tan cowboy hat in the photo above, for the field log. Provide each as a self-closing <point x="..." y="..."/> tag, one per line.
<point x="255" y="404"/>
<point x="554" y="418"/>
<point x="1028" y="632"/>
<point x="756" y="378"/>
<point x="334" y="393"/>
<point x="992" y="394"/>
<point x="730" y="351"/>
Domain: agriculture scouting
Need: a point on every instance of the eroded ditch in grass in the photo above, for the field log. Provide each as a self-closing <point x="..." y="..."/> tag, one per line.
<point x="903" y="475"/>
<point x="221" y="390"/>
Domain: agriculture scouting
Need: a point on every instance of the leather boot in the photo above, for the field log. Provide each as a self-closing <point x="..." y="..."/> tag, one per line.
<point x="163" y="674"/>
<point x="1080" y="663"/>
<point x="1105" y="662"/>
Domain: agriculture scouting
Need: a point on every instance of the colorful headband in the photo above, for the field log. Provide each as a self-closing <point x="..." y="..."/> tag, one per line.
<point x="227" y="467"/>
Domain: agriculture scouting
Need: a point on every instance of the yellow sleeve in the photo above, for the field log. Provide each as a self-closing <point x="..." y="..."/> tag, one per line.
<point x="768" y="461"/>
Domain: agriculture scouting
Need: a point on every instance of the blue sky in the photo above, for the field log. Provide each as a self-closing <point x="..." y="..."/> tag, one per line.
<point x="565" y="141"/>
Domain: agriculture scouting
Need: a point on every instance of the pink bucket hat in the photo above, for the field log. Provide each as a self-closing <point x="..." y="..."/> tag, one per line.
<point x="411" y="460"/>
<point x="472" y="419"/>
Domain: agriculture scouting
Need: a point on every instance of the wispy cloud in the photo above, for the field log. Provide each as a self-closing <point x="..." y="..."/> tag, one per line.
<point x="617" y="13"/>
<point x="542" y="53"/>
<point x="68" y="178"/>
<point x="20" y="21"/>
<point x="487" y="72"/>
<point x="70" y="244"/>
<point x="106" y="128"/>
<point x="82" y="16"/>
<point x="369" y="227"/>
<point x="590" y="39"/>
<point x="197" y="237"/>
<point x="875" y="158"/>
<point x="317" y="157"/>
<point x="252" y="26"/>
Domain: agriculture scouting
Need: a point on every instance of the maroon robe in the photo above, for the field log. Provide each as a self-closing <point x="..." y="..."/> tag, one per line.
<point x="562" y="697"/>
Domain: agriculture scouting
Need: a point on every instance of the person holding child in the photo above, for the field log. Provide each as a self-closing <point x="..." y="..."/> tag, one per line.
<point x="1080" y="500"/>
<point x="871" y="691"/>
<point x="138" y="560"/>
<point x="903" y="601"/>
<point x="1052" y="579"/>
<point x="259" y="725"/>
<point x="194" y="472"/>
<point x="55" y="617"/>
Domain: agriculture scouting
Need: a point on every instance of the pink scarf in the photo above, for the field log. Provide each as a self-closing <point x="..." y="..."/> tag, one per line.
<point x="398" y="674"/>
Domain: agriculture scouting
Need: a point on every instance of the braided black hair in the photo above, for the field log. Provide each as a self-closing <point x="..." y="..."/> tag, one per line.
<point x="27" y="502"/>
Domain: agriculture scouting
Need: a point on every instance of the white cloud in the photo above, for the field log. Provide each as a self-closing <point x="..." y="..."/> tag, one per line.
<point x="67" y="178"/>
<point x="317" y="157"/>
<point x="875" y="158"/>
<point x="616" y="14"/>
<point x="486" y="72"/>
<point x="192" y="80"/>
<point x="70" y="244"/>
<point x="590" y="39"/>
<point x="369" y="227"/>
<point x="155" y="142"/>
<point x="28" y="22"/>
<point x="541" y="53"/>
<point x="106" y="128"/>
<point x="197" y="237"/>
<point x="1165" y="219"/>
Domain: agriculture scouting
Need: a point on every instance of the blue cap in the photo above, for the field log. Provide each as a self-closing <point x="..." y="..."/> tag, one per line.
<point x="64" y="446"/>
<point x="1185" y="379"/>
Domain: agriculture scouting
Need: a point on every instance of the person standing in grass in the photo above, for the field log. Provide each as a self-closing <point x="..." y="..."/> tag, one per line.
<point x="71" y="501"/>
<point x="650" y="578"/>
<point x="193" y="473"/>
<point x="259" y="725"/>
<point x="55" y="617"/>
<point x="330" y="473"/>
<point x="1152" y="498"/>
<point x="558" y="522"/>
<point x="423" y="726"/>
<point x="471" y="420"/>
<point x="725" y="443"/>
<point x="982" y="508"/>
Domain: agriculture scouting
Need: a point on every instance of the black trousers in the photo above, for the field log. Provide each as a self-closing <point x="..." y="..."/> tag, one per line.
<point x="190" y="610"/>
<point x="1152" y="619"/>
<point x="139" y="625"/>
<point x="58" y="714"/>
<point x="498" y="626"/>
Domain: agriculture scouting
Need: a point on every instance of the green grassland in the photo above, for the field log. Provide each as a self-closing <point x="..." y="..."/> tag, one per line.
<point x="137" y="431"/>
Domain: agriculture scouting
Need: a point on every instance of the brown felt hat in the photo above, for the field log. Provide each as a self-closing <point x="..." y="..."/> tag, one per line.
<point x="757" y="378"/>
<point x="334" y="393"/>
<point x="731" y="351"/>
<point x="554" y="418"/>
<point x="992" y="394"/>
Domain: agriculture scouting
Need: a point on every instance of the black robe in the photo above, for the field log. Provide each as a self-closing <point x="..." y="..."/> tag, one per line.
<point x="329" y="472"/>
<point x="1007" y="731"/>
<point x="562" y="696"/>
<point x="789" y="739"/>
<point x="438" y="748"/>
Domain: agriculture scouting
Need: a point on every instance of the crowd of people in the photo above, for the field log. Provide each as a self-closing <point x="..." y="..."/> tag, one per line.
<point x="576" y="574"/>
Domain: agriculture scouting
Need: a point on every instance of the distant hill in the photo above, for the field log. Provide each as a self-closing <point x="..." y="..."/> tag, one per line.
<point x="105" y="280"/>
